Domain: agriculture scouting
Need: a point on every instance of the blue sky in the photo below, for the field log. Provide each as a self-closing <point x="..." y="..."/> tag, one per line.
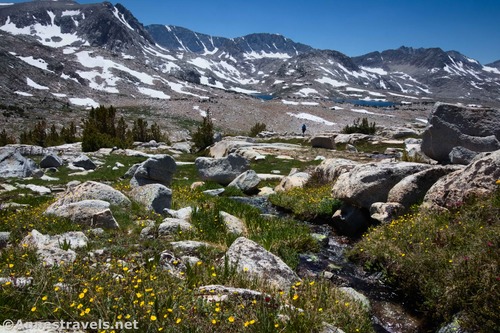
<point x="471" y="27"/>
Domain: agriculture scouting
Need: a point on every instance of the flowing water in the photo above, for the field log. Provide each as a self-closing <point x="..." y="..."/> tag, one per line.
<point x="390" y="313"/>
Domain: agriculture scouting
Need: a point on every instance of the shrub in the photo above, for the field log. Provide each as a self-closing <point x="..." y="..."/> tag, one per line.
<point x="445" y="263"/>
<point x="6" y="139"/>
<point x="365" y="127"/>
<point x="204" y="135"/>
<point x="307" y="203"/>
<point x="256" y="129"/>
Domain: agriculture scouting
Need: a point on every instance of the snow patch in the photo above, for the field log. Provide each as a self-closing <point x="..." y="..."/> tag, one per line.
<point x="332" y="82"/>
<point x="49" y="35"/>
<point x="313" y="118"/>
<point x="121" y="18"/>
<point x="59" y="95"/>
<point x="153" y="93"/>
<point x="263" y="54"/>
<point x="491" y="70"/>
<point x="22" y="93"/>
<point x="38" y="63"/>
<point x="88" y="102"/>
<point x="371" y="113"/>
<point x="379" y="71"/>
<point x="70" y="13"/>
<point x="35" y="85"/>
<point x="306" y="92"/>
<point x="202" y="112"/>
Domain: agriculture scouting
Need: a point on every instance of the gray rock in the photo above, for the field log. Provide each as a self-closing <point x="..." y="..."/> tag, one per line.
<point x="158" y="169"/>
<point x="91" y="213"/>
<point x="329" y="328"/>
<point x="452" y="125"/>
<point x="4" y="239"/>
<point x="247" y="182"/>
<point x="183" y="213"/>
<point x="412" y="189"/>
<point x="172" y="264"/>
<point x="385" y="212"/>
<point x="184" y="147"/>
<point x="369" y="183"/>
<point x="294" y="179"/>
<point x="19" y="283"/>
<point x="172" y="225"/>
<point x="148" y="233"/>
<point x="219" y="293"/>
<point x="215" y="192"/>
<point x="15" y="165"/>
<point x="351" y="148"/>
<point x="250" y="257"/>
<point x="476" y="179"/>
<point x="23" y="149"/>
<point x="356" y="296"/>
<point x="83" y="161"/>
<point x="154" y="197"/>
<point x="221" y="170"/>
<point x="351" y="220"/>
<point x="331" y="168"/>
<point x="233" y="224"/>
<point x="51" y="160"/>
<point x="131" y="171"/>
<point x="323" y="141"/>
<point x="91" y="190"/>
<point x="36" y="188"/>
<point x="461" y="155"/>
<point x="352" y="138"/>
<point x="50" y="249"/>
<point x="453" y="327"/>
<point x="189" y="246"/>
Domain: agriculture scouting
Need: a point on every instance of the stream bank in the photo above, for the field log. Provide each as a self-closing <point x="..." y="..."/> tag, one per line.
<point x="391" y="313"/>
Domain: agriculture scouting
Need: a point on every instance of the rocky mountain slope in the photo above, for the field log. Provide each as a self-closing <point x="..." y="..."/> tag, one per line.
<point x="55" y="54"/>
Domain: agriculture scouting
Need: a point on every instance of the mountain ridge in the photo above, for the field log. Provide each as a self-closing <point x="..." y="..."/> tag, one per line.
<point x="92" y="54"/>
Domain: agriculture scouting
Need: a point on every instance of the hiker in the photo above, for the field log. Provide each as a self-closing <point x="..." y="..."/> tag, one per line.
<point x="303" y="129"/>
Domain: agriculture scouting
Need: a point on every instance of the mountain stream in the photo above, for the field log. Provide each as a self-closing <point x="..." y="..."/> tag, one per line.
<point x="390" y="314"/>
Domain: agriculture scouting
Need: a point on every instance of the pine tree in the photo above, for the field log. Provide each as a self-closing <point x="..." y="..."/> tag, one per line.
<point x="204" y="135"/>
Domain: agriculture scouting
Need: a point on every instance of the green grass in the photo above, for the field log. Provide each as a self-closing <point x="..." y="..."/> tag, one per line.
<point x="445" y="263"/>
<point x="313" y="202"/>
<point x="127" y="282"/>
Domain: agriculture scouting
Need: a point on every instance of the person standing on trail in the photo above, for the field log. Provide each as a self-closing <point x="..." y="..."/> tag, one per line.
<point x="303" y="129"/>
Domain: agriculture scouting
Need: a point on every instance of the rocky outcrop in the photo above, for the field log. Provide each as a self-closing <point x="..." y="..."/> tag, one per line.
<point x="323" y="141"/>
<point x="90" y="213"/>
<point x="219" y="293"/>
<point x="233" y="224"/>
<point x="15" y="165"/>
<point x="331" y="168"/>
<point x="221" y="170"/>
<point x="461" y="155"/>
<point x="369" y="183"/>
<point x="450" y="126"/>
<point x="154" y="197"/>
<point x="477" y="179"/>
<point x="91" y="190"/>
<point x="157" y="169"/>
<point x="173" y="225"/>
<point x="412" y="189"/>
<point x="252" y="258"/>
<point x="247" y="182"/>
<point x="385" y="212"/>
<point x="294" y="179"/>
<point x="55" y="250"/>
<point x="83" y="161"/>
<point x="351" y="220"/>
<point x="51" y="160"/>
